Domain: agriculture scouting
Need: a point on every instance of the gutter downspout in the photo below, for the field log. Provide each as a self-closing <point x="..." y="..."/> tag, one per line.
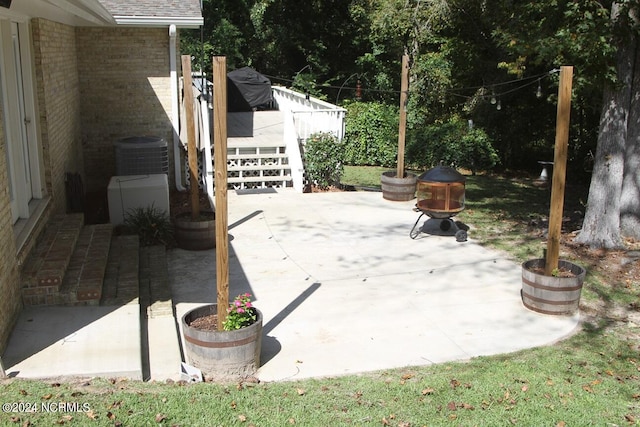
<point x="175" y="107"/>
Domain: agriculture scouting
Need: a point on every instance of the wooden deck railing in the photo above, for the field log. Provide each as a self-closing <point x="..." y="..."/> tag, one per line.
<point x="304" y="116"/>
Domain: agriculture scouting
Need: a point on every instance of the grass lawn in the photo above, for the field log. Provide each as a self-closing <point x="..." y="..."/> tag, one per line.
<point x="592" y="378"/>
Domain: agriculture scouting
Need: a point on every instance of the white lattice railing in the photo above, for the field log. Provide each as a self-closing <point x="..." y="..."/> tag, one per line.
<point x="259" y="167"/>
<point x="304" y="116"/>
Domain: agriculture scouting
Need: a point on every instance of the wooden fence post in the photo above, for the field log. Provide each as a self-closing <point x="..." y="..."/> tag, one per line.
<point x="220" y="170"/>
<point x="192" y="151"/>
<point x="559" y="169"/>
<point x="404" y="88"/>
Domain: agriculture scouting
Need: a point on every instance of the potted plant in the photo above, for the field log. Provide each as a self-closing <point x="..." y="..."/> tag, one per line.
<point x="400" y="185"/>
<point x="550" y="285"/>
<point x="231" y="353"/>
<point x="223" y="340"/>
<point x="193" y="230"/>
<point x="555" y="293"/>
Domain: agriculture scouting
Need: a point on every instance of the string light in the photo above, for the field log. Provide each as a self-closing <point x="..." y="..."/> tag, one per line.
<point x="539" y="91"/>
<point x="494" y="99"/>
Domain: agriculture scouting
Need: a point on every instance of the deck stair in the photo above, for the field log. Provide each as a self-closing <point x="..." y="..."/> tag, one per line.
<point x="77" y="264"/>
<point x="257" y="164"/>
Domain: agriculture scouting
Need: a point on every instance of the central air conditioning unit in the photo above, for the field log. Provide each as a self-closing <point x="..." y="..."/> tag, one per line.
<point x="140" y="155"/>
<point x="126" y="193"/>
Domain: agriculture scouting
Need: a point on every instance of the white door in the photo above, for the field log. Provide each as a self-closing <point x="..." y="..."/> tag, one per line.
<point x="18" y="108"/>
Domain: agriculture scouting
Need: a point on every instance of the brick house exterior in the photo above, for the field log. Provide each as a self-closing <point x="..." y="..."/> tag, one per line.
<point x="78" y="75"/>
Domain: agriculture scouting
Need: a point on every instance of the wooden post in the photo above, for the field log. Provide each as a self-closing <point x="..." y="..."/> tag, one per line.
<point x="404" y="88"/>
<point x="192" y="151"/>
<point x="220" y="170"/>
<point x="559" y="169"/>
<point x="3" y="374"/>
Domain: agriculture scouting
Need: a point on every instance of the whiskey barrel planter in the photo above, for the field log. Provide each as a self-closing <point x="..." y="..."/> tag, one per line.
<point x="398" y="189"/>
<point x="222" y="355"/>
<point x="195" y="235"/>
<point x="552" y="294"/>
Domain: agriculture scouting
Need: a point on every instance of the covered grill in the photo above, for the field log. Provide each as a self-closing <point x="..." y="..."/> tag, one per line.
<point x="440" y="194"/>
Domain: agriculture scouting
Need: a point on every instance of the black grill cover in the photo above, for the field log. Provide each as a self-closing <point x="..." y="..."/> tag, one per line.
<point x="247" y="89"/>
<point x="442" y="174"/>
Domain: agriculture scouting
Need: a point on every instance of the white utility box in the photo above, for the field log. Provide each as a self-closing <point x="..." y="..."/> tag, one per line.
<point x="136" y="191"/>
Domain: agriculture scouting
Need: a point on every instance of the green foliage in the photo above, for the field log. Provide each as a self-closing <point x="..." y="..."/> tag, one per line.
<point x="323" y="159"/>
<point x="452" y="143"/>
<point x="152" y="225"/>
<point x="371" y="134"/>
<point x="240" y="313"/>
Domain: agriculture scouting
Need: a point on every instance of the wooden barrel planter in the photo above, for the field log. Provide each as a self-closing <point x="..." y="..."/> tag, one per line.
<point x="222" y="355"/>
<point x="398" y="189"/>
<point x="195" y="235"/>
<point x="552" y="294"/>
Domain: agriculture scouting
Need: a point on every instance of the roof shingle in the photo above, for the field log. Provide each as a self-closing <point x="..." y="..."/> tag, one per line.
<point x="154" y="8"/>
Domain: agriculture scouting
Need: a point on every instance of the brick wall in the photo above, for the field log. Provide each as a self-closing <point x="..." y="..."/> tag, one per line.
<point x="10" y="300"/>
<point x="125" y="91"/>
<point x="59" y="105"/>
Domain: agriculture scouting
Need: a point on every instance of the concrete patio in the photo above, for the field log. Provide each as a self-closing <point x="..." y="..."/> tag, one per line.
<point x="342" y="287"/>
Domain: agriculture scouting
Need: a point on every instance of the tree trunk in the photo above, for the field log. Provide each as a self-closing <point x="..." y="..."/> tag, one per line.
<point x="630" y="197"/>
<point x="601" y="227"/>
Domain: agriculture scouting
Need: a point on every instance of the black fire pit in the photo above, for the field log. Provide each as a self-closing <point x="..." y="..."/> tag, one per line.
<point x="440" y="195"/>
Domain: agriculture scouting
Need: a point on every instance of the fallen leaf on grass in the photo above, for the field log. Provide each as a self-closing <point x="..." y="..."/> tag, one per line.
<point x="428" y="390"/>
<point x="630" y="418"/>
<point x="47" y="396"/>
<point x="301" y="392"/>
<point x="407" y="376"/>
<point x="561" y="424"/>
<point x="65" y="419"/>
<point x="525" y="388"/>
<point x="160" y="418"/>
<point x="451" y="406"/>
<point x="587" y="388"/>
<point x="91" y="414"/>
<point x="242" y="418"/>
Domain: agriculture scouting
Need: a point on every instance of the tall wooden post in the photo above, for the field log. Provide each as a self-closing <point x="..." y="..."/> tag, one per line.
<point x="404" y="88"/>
<point x="559" y="169"/>
<point x="220" y="170"/>
<point x="192" y="151"/>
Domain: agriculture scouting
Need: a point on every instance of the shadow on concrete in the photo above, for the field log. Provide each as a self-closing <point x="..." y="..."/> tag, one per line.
<point x="270" y="345"/>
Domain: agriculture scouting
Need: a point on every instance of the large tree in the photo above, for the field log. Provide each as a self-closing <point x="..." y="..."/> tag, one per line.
<point x="612" y="206"/>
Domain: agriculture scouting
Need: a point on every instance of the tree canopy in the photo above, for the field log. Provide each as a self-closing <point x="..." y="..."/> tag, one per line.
<point x="493" y="63"/>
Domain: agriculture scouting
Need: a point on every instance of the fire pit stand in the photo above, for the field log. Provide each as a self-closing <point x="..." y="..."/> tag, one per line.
<point x="440" y="195"/>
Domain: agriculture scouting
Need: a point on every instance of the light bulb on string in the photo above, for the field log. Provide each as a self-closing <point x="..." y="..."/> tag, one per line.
<point x="539" y="91"/>
<point x="493" y="99"/>
<point x="499" y="106"/>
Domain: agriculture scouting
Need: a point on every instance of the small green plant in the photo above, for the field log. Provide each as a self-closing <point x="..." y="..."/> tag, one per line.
<point x="240" y="313"/>
<point x="152" y="225"/>
<point x="323" y="159"/>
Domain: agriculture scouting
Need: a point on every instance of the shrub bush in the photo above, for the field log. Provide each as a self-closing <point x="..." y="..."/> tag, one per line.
<point x="452" y="143"/>
<point x="152" y="225"/>
<point x="371" y="134"/>
<point x="323" y="156"/>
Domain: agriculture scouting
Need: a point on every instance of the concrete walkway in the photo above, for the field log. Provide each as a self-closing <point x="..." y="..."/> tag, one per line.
<point x="341" y="285"/>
